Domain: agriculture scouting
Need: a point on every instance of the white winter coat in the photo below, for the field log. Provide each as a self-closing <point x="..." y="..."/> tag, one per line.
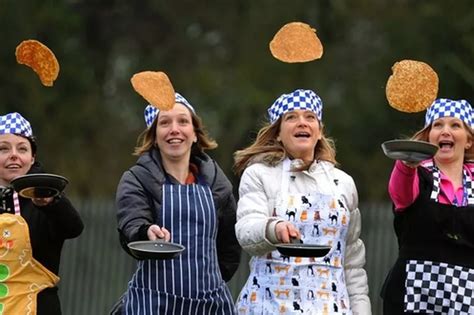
<point x="259" y="190"/>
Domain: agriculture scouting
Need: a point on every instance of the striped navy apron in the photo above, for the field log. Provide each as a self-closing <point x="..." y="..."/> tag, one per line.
<point x="190" y="283"/>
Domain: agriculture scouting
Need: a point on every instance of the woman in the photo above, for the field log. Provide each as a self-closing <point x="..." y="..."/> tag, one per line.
<point x="290" y="189"/>
<point x="177" y="193"/>
<point x="434" y="219"/>
<point x="33" y="230"/>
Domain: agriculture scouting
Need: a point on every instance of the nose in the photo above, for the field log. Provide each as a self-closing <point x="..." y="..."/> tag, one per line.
<point x="302" y="121"/>
<point x="14" y="154"/>
<point x="174" y="127"/>
<point x="446" y="130"/>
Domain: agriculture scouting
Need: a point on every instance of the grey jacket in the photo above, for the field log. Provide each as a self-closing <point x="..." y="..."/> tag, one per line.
<point x="140" y="190"/>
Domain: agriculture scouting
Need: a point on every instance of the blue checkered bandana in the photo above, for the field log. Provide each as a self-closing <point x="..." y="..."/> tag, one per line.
<point x="299" y="99"/>
<point x="151" y="112"/>
<point x="14" y="123"/>
<point x="444" y="107"/>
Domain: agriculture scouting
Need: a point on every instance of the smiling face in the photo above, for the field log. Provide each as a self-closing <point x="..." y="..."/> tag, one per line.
<point x="299" y="133"/>
<point x="175" y="133"/>
<point x="452" y="137"/>
<point x="16" y="157"/>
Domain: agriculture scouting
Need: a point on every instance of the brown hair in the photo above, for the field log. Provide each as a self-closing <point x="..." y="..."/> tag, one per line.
<point x="423" y="135"/>
<point x="147" y="139"/>
<point x="267" y="149"/>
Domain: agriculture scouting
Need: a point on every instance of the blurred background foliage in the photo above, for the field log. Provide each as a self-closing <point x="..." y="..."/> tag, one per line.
<point x="216" y="54"/>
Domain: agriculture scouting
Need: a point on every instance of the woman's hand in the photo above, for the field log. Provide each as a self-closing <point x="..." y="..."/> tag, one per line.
<point x="41" y="202"/>
<point x="285" y="231"/>
<point x="154" y="233"/>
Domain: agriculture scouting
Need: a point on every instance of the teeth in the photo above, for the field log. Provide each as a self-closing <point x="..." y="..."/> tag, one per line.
<point x="446" y="144"/>
<point x="175" y="141"/>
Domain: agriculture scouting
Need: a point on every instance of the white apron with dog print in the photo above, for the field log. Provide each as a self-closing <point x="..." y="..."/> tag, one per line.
<point x="297" y="285"/>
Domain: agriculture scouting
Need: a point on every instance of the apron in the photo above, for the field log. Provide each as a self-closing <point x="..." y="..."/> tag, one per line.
<point x="21" y="276"/>
<point x="190" y="283"/>
<point x="437" y="287"/>
<point x="280" y="284"/>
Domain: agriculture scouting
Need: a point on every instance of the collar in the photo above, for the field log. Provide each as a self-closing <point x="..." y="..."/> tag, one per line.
<point x="193" y="172"/>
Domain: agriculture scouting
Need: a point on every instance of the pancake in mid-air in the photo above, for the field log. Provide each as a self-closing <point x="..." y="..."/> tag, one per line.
<point x="156" y="88"/>
<point x="412" y="87"/>
<point x="40" y="58"/>
<point x="296" y="42"/>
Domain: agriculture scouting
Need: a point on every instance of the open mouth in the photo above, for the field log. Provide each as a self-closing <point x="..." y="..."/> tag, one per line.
<point x="446" y="145"/>
<point x="13" y="166"/>
<point x="302" y="134"/>
<point x="174" y="141"/>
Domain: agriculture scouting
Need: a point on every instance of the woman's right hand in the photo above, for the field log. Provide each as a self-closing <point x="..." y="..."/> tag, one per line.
<point x="285" y="231"/>
<point x="154" y="233"/>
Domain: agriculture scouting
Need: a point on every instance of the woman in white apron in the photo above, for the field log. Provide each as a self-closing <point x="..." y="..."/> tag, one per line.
<point x="177" y="193"/>
<point x="289" y="189"/>
<point x="32" y="231"/>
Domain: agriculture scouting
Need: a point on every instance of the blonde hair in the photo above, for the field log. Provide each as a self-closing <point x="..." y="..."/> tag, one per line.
<point x="147" y="139"/>
<point x="424" y="134"/>
<point x="267" y="149"/>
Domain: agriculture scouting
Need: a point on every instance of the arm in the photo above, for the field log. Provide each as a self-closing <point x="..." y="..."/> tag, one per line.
<point x="255" y="227"/>
<point x="228" y="249"/>
<point x="63" y="219"/>
<point x="356" y="277"/>
<point x="403" y="185"/>
<point x="134" y="215"/>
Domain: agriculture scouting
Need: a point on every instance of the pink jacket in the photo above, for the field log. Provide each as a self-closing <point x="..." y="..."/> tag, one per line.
<point x="403" y="185"/>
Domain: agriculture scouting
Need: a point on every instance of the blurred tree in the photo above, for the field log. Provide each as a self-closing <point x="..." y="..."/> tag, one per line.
<point x="216" y="53"/>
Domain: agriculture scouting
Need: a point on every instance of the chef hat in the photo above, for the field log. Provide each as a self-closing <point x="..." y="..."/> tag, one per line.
<point x="444" y="107"/>
<point x="299" y="99"/>
<point x="14" y="123"/>
<point x="151" y="112"/>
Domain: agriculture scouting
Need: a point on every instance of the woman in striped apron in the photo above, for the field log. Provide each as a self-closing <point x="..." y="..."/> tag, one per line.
<point x="434" y="219"/>
<point x="177" y="193"/>
<point x="290" y="188"/>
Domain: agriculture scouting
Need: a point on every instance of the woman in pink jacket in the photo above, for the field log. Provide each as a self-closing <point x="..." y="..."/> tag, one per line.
<point x="434" y="219"/>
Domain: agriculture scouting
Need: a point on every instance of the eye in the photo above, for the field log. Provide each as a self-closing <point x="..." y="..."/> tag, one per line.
<point x="163" y="122"/>
<point x="290" y="117"/>
<point x="437" y="124"/>
<point x="456" y="125"/>
<point x="184" y="121"/>
<point x="311" y="117"/>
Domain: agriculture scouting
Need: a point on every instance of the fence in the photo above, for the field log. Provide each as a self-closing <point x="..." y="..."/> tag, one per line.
<point x="95" y="270"/>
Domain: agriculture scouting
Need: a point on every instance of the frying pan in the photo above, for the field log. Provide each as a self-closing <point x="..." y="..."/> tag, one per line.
<point x="296" y="248"/>
<point x="39" y="185"/>
<point x="409" y="150"/>
<point x="303" y="250"/>
<point x="158" y="249"/>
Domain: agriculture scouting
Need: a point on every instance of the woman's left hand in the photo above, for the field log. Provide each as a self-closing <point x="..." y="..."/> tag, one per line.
<point x="41" y="202"/>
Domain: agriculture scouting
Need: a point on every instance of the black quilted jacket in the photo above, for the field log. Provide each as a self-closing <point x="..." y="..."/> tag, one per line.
<point x="140" y="189"/>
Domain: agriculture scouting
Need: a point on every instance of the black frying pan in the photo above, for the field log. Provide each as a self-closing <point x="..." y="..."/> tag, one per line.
<point x="409" y="150"/>
<point x="158" y="249"/>
<point x="40" y="185"/>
